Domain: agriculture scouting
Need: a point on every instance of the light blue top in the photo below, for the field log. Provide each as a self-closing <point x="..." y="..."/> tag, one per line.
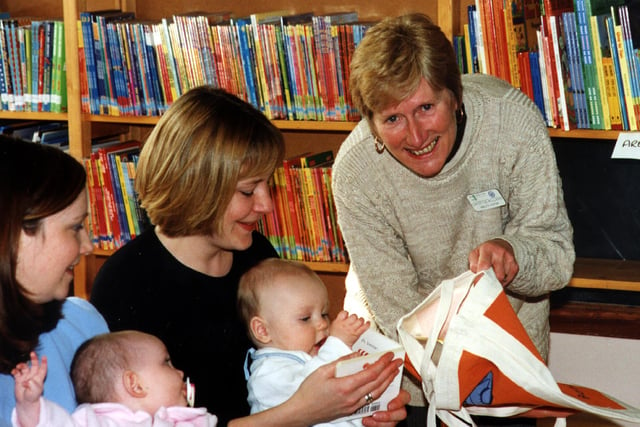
<point x="80" y="322"/>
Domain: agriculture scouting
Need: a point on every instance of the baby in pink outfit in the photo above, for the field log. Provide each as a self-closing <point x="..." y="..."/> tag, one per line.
<point x="120" y="379"/>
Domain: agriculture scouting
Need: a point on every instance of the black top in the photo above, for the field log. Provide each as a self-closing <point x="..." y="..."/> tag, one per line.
<point x="143" y="287"/>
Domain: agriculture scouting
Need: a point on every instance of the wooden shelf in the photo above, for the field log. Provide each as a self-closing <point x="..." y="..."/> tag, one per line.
<point x="31" y="115"/>
<point x="617" y="275"/>
<point x="584" y="134"/>
<point x="588" y="273"/>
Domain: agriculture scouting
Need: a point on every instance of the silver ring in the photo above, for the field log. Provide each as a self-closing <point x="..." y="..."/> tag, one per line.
<point x="368" y="398"/>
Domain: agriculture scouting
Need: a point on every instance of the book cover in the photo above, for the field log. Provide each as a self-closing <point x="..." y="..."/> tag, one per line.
<point x="575" y="69"/>
<point x="6" y="86"/>
<point x="566" y="105"/>
<point x="544" y="78"/>
<point x="86" y="25"/>
<point x="536" y="82"/>
<point x="170" y="58"/>
<point x="57" y="63"/>
<point x="606" y="71"/>
<point x="97" y="206"/>
<point x="174" y="38"/>
<point x="108" y="210"/>
<point x="242" y="29"/>
<point x="371" y="346"/>
<point x="13" y="48"/>
<point x="625" y="70"/>
<point x="126" y="198"/>
<point x="129" y="63"/>
<point x="24" y="36"/>
<point x="473" y="39"/>
<point x="617" y="66"/>
<point x="135" y="79"/>
<point x="158" y="101"/>
<point x="93" y="220"/>
<point x="293" y="191"/>
<point x="595" y="105"/>
<point x="632" y="62"/>
<point x="267" y="72"/>
<point x="47" y="68"/>
<point x="82" y="70"/>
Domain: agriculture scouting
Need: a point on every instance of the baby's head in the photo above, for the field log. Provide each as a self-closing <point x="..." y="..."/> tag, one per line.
<point x="284" y="305"/>
<point x="128" y="367"/>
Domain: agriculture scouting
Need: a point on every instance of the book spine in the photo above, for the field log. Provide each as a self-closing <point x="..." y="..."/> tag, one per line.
<point x="124" y="196"/>
<point x="90" y="59"/>
<point x="615" y="52"/>
<point x="56" y="67"/>
<point x="174" y="77"/>
<point x="110" y="198"/>
<point x="133" y="69"/>
<point x="596" y="109"/>
<point x="163" y="69"/>
<point x="128" y="64"/>
<point x="24" y="36"/>
<point x="607" y="71"/>
<point x="632" y="62"/>
<point x="47" y="65"/>
<point x="154" y="78"/>
<point x="120" y="99"/>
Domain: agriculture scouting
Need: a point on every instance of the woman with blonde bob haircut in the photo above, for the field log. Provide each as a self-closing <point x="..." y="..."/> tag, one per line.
<point x="192" y="160"/>
<point x="203" y="178"/>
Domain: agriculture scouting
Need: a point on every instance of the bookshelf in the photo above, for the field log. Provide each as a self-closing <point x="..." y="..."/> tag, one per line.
<point x="300" y="136"/>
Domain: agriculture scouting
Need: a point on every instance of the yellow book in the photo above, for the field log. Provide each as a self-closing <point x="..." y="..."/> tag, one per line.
<point x="599" y="67"/>
<point x="467" y="49"/>
<point x="125" y="197"/>
<point x="512" y="45"/>
<point x="626" y="79"/>
<point x="181" y="65"/>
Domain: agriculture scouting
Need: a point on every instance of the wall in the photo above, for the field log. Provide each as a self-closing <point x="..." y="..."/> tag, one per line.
<point x="610" y="365"/>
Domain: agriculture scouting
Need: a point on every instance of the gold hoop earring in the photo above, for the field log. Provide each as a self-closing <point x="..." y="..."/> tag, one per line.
<point x="379" y="145"/>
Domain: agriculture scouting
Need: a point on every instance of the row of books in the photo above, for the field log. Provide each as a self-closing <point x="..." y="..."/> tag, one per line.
<point x="577" y="59"/>
<point x="303" y="225"/>
<point x="288" y="66"/>
<point x="43" y="132"/>
<point x="115" y="213"/>
<point x="32" y="65"/>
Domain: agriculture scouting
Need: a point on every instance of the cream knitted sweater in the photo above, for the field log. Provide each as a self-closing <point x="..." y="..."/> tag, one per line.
<point x="405" y="233"/>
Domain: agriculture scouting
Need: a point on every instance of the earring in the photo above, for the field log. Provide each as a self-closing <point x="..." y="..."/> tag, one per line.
<point x="460" y="115"/>
<point x="379" y="145"/>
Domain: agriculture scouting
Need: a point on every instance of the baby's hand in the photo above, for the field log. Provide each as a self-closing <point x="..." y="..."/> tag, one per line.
<point x="29" y="379"/>
<point x="347" y="327"/>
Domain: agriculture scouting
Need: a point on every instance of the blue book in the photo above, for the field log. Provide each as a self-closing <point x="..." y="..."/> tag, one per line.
<point x="632" y="59"/>
<point x="100" y="48"/>
<point x="616" y="65"/>
<point x="592" y="86"/>
<point x="148" y="106"/>
<point x="6" y="87"/>
<point x="125" y="235"/>
<point x="471" y="17"/>
<point x="154" y="74"/>
<point x="536" y="81"/>
<point x="14" y="63"/>
<point x="86" y="22"/>
<point x="47" y="69"/>
<point x="135" y="84"/>
<point x="245" y="41"/>
<point x="575" y="68"/>
<point x="121" y="99"/>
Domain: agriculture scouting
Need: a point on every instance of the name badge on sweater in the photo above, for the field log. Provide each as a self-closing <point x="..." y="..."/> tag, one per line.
<point x="485" y="200"/>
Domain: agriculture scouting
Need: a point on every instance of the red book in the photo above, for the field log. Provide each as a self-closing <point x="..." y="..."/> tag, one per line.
<point x="293" y="190"/>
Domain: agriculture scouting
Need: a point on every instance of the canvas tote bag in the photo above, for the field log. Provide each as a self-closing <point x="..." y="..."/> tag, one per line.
<point x="474" y="357"/>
